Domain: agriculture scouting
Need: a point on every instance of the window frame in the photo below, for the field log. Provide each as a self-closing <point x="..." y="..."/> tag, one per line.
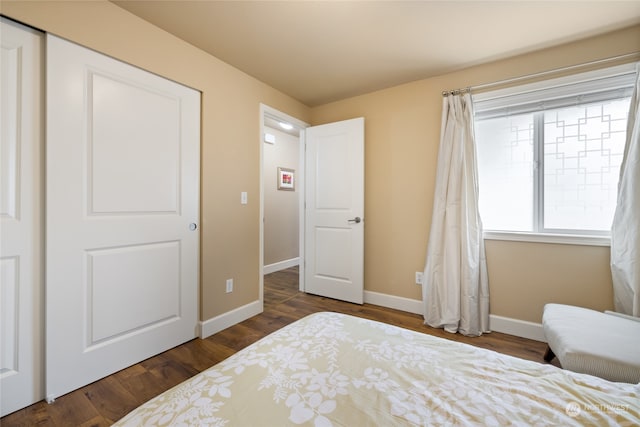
<point x="536" y="98"/>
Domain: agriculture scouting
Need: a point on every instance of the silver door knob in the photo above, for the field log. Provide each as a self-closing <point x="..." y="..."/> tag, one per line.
<point x="356" y="220"/>
<point x="193" y="226"/>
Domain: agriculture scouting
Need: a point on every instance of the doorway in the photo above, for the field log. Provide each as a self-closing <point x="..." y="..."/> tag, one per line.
<point x="280" y="287"/>
<point x="281" y="193"/>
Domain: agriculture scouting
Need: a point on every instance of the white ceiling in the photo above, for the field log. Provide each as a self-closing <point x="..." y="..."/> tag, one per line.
<point x="321" y="51"/>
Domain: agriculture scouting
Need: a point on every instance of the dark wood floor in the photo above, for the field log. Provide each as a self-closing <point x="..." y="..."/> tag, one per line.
<point x="107" y="400"/>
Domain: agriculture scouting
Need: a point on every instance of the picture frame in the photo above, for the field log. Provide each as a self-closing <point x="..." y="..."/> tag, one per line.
<point x="286" y="179"/>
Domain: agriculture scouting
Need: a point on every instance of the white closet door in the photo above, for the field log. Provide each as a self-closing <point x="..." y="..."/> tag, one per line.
<point x="122" y="211"/>
<point x="21" y="97"/>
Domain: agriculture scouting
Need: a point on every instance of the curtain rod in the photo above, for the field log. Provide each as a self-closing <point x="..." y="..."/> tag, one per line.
<point x="541" y="74"/>
<point x="456" y="91"/>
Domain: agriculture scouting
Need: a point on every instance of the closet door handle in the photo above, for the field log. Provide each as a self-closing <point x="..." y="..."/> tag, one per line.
<point x="357" y="220"/>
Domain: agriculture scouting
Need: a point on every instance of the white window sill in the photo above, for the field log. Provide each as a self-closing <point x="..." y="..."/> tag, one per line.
<point x="567" y="239"/>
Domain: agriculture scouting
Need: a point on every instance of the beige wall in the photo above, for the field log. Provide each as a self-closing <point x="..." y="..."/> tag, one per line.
<point x="281" y="225"/>
<point x="402" y="127"/>
<point x="402" y="131"/>
<point x="525" y="276"/>
<point x="230" y="131"/>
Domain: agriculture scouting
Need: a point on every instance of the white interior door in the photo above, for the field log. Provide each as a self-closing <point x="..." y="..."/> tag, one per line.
<point x="334" y="214"/>
<point x="122" y="208"/>
<point x="21" y="97"/>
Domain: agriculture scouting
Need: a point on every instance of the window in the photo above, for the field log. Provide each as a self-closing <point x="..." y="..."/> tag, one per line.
<point x="549" y="154"/>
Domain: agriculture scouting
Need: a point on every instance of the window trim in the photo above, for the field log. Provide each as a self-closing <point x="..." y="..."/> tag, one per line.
<point x="538" y="172"/>
<point x="565" y="239"/>
<point x="590" y="86"/>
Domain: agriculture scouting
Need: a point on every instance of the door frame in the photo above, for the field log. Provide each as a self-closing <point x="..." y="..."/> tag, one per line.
<point x="267" y="111"/>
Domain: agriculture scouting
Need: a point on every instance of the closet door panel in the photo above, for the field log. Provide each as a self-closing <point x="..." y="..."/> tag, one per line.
<point x="21" y="98"/>
<point x="122" y="213"/>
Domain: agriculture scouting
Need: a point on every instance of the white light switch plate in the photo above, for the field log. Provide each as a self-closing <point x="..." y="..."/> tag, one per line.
<point x="243" y="198"/>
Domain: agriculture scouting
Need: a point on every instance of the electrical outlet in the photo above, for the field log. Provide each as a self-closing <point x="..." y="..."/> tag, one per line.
<point x="419" y="277"/>
<point x="229" y="285"/>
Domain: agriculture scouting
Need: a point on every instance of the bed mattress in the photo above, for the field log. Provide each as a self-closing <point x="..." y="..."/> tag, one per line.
<point x="331" y="369"/>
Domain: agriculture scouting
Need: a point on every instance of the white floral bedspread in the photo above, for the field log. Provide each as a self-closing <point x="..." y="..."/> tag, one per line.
<point x="330" y="369"/>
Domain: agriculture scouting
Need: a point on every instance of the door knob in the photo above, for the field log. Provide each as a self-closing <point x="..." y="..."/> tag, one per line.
<point x="193" y="226"/>
<point x="356" y="220"/>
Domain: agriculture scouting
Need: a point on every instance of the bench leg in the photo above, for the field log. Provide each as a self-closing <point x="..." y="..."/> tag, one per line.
<point x="548" y="354"/>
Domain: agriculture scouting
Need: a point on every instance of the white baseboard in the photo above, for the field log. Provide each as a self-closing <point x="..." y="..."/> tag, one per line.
<point x="218" y="323"/>
<point x="391" y="301"/>
<point x="282" y="265"/>
<point x="505" y="325"/>
<point x="517" y="327"/>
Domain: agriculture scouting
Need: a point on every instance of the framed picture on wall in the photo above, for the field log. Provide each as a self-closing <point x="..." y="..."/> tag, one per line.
<point x="286" y="179"/>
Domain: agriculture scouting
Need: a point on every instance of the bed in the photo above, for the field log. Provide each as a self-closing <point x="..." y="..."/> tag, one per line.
<point x="331" y="369"/>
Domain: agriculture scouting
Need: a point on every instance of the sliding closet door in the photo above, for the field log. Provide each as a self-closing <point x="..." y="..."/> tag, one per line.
<point x="122" y="215"/>
<point x="21" y="97"/>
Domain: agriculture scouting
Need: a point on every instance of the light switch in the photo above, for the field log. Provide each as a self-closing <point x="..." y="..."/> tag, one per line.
<point x="243" y="198"/>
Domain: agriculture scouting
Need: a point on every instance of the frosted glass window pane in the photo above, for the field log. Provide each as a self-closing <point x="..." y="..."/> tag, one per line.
<point x="583" y="149"/>
<point x="505" y="172"/>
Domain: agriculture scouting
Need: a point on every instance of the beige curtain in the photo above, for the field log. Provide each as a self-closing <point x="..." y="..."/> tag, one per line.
<point x="456" y="285"/>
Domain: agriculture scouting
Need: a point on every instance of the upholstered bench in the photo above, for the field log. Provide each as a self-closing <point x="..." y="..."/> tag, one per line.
<point x="606" y="344"/>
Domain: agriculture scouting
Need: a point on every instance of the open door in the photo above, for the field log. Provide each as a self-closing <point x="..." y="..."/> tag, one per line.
<point x="334" y="213"/>
<point x="123" y="156"/>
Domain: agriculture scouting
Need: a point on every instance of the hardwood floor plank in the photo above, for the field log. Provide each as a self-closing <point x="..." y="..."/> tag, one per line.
<point x="218" y="350"/>
<point x="194" y="354"/>
<point x="110" y="399"/>
<point x="143" y="386"/>
<point x="171" y="372"/>
<point x="238" y="336"/>
<point x="96" y="422"/>
<point x="37" y="414"/>
<point x="74" y="406"/>
<point x="103" y="402"/>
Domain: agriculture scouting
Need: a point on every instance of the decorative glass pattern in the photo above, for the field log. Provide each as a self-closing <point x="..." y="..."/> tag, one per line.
<point x="505" y="172"/>
<point x="553" y="171"/>
<point x="583" y="150"/>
